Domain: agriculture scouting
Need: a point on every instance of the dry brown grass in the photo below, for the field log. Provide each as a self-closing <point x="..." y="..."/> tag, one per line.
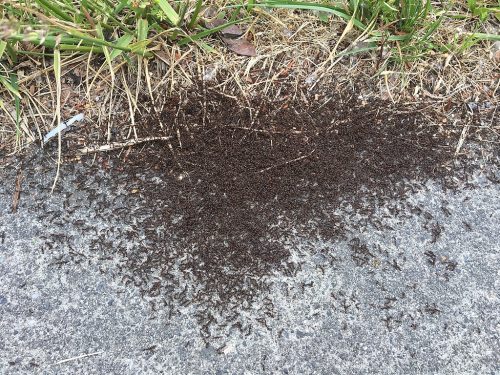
<point x="292" y="47"/>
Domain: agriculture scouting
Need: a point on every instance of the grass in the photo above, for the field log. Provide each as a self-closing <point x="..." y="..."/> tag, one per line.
<point x="130" y="32"/>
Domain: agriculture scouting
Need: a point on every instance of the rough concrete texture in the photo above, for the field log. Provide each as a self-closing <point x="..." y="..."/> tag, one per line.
<point x="413" y="293"/>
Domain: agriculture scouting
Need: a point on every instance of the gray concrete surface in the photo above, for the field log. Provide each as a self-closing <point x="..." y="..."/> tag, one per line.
<point x="421" y="298"/>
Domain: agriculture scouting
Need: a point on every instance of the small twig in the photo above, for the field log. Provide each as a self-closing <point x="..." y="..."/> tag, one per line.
<point x="493" y="115"/>
<point x="17" y="190"/>
<point x="116" y="145"/>
<point x="77" y="357"/>
<point x="386" y="80"/>
<point x="287" y="162"/>
<point x="57" y="75"/>
<point x="463" y="136"/>
<point x="462" y="139"/>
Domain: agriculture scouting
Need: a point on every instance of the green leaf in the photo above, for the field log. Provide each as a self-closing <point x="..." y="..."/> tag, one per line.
<point x="483" y="36"/>
<point x="323" y="17"/>
<point x="471" y="4"/>
<point x="3" y="44"/>
<point x="9" y="86"/>
<point x="119" y="7"/>
<point x="139" y="48"/>
<point x="207" y="47"/>
<point x="17" y="104"/>
<point x="142" y="29"/>
<point x="105" y="50"/>
<point x="124" y="41"/>
<point x="57" y="66"/>
<point x="171" y="14"/>
<point x="482" y="12"/>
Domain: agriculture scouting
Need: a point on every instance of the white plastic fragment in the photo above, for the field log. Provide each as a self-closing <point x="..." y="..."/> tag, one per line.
<point x="63" y="125"/>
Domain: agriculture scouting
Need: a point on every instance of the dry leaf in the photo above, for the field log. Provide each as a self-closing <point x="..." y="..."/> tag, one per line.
<point x="212" y="24"/>
<point x="232" y="31"/>
<point x="240" y="46"/>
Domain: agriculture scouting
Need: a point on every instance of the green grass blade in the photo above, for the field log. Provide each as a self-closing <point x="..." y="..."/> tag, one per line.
<point x="107" y="54"/>
<point x="286" y="4"/>
<point x="9" y="86"/>
<point x="483" y="36"/>
<point x="78" y="41"/>
<point x="57" y="73"/>
<point x="12" y="53"/>
<point x="170" y="13"/>
<point x="54" y="9"/>
<point x="124" y="41"/>
<point x="183" y="7"/>
<point x="142" y="29"/>
<point x="433" y="27"/>
<point x="17" y="104"/>
<point x="206" y="33"/>
<point x="120" y="6"/>
<point x="194" y="18"/>
<point x="3" y="45"/>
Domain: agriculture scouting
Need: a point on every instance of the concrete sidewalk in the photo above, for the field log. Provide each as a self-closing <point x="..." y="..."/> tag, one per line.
<point x="414" y="293"/>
